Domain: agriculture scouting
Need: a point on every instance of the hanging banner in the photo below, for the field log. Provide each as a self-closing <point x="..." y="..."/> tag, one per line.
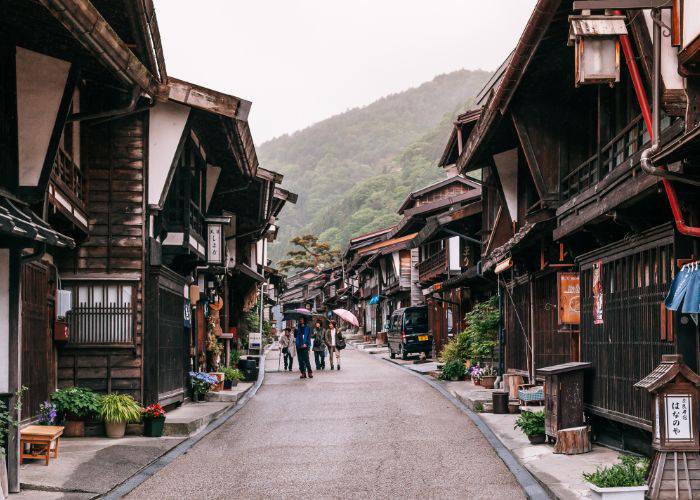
<point x="187" y="315"/>
<point x="568" y="288"/>
<point x="598" y="292"/>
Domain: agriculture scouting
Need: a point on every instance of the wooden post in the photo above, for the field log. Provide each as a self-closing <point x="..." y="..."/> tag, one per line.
<point x="15" y="368"/>
<point x="573" y="441"/>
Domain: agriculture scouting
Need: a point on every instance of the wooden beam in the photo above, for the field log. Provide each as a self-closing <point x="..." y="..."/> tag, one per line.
<point x="620" y="4"/>
<point x="530" y="157"/>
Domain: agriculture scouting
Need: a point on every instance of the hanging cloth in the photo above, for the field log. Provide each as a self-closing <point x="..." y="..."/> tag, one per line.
<point x="685" y="290"/>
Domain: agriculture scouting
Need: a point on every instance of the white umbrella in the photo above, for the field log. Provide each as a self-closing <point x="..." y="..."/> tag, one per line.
<point x="346" y="315"/>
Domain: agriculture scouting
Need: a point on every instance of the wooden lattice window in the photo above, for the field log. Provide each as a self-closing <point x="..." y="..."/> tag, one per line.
<point x="101" y="313"/>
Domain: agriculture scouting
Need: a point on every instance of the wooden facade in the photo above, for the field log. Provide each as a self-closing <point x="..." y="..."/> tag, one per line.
<point x="566" y="194"/>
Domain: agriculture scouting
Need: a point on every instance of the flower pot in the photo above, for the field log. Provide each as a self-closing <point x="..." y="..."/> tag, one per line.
<point x="454" y="379"/>
<point x="115" y="430"/>
<point x="153" y="427"/>
<point x="621" y="493"/>
<point x="74" y="428"/>
<point x="537" y="438"/>
<point x="234" y="382"/>
<point x="487" y="381"/>
<point x="228" y="384"/>
<point x="477" y="381"/>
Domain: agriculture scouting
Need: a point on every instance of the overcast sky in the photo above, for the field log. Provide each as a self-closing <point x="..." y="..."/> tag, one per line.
<point x="301" y="61"/>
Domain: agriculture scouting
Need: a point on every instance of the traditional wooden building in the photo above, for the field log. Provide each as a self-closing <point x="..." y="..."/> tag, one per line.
<point x="63" y="84"/>
<point x="572" y="207"/>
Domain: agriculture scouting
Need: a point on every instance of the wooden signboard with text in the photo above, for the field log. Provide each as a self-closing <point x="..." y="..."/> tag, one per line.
<point x="568" y="292"/>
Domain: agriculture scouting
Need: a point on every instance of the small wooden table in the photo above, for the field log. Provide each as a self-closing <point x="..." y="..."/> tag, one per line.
<point x="39" y="438"/>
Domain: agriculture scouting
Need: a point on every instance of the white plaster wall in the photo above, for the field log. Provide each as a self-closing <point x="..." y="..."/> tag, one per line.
<point x="669" y="53"/>
<point x="4" y="319"/>
<point x="691" y="21"/>
<point x="212" y="178"/>
<point x="41" y="81"/>
<point x="507" y="166"/>
<point x="453" y="253"/>
<point x="166" y="123"/>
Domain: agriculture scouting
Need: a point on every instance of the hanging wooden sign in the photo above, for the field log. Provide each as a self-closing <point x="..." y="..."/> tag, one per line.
<point x="568" y="292"/>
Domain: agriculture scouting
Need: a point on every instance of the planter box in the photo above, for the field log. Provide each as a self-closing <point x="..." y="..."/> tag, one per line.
<point x="622" y="493"/>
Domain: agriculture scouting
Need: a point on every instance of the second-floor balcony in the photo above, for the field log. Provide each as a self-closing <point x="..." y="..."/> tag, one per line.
<point x="630" y="140"/>
<point x="433" y="267"/>
<point x="67" y="189"/>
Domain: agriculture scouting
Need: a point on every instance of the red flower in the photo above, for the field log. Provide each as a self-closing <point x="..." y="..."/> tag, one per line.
<point x="154" y="411"/>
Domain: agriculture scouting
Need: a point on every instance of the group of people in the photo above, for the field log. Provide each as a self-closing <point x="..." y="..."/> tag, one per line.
<point x="304" y="339"/>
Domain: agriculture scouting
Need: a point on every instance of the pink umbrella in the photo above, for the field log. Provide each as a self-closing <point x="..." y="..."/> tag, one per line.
<point x="346" y="315"/>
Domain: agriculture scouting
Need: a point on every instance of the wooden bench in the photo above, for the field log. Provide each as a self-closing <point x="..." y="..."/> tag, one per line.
<point x="38" y="440"/>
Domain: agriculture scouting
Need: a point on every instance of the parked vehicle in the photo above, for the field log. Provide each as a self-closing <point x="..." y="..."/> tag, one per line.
<point x="408" y="332"/>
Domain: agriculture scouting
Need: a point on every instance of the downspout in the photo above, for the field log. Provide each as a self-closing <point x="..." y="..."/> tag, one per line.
<point x="652" y="123"/>
<point x="111" y="114"/>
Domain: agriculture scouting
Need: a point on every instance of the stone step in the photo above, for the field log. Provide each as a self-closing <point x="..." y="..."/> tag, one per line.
<point x="190" y="418"/>
<point x="230" y="396"/>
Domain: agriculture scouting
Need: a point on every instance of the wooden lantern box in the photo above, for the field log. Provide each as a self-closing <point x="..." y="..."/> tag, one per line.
<point x="675" y="470"/>
<point x="563" y="396"/>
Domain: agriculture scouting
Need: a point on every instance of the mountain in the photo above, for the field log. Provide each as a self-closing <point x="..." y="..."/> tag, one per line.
<point x="352" y="170"/>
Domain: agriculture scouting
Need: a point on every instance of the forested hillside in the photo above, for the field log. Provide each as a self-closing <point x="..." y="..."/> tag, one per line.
<point x="352" y="170"/>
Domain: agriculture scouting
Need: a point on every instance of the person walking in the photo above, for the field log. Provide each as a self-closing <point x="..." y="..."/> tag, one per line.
<point x="335" y="342"/>
<point x="319" y="347"/>
<point x="288" y="345"/>
<point x="303" y="342"/>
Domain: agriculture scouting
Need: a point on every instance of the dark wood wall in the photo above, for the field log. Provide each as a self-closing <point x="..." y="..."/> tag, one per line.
<point x="629" y="344"/>
<point x="113" y="157"/>
<point x="537" y="325"/>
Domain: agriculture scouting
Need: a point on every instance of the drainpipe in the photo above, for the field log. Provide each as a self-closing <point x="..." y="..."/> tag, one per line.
<point x="652" y="122"/>
<point x="111" y="114"/>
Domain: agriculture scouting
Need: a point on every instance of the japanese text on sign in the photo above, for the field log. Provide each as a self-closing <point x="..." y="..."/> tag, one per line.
<point x="678" y="417"/>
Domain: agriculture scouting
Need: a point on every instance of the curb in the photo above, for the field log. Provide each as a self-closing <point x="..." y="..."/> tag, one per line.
<point x="159" y="463"/>
<point x="531" y="486"/>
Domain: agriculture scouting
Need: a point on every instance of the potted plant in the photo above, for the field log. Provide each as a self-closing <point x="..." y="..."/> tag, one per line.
<point x="625" y="480"/>
<point x="153" y="420"/>
<point x="47" y="413"/>
<point x="116" y="411"/>
<point x="532" y="425"/>
<point x="475" y="374"/>
<point x="453" y="370"/>
<point x="75" y="405"/>
<point x="232" y="376"/>
<point x="488" y="377"/>
<point x="201" y="383"/>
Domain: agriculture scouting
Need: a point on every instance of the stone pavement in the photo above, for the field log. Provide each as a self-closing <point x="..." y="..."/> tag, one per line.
<point x="560" y="475"/>
<point x="90" y="466"/>
<point x="367" y="431"/>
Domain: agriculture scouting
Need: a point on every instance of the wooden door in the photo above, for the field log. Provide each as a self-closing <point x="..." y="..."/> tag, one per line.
<point x="172" y="345"/>
<point x="38" y="373"/>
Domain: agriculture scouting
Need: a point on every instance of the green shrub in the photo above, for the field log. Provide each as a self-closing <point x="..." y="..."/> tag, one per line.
<point x="482" y="330"/>
<point x="631" y="471"/>
<point x="76" y="403"/>
<point x="117" y="408"/>
<point x="478" y="407"/>
<point x="453" y="369"/>
<point x="231" y="373"/>
<point x="531" y="423"/>
<point x="456" y="349"/>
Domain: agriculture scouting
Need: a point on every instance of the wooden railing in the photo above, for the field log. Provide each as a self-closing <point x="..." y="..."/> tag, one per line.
<point x="69" y="178"/>
<point x="629" y="141"/>
<point x="196" y="219"/>
<point x="433" y="265"/>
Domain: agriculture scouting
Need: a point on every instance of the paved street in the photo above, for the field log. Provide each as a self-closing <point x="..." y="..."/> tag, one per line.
<point x="370" y="430"/>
